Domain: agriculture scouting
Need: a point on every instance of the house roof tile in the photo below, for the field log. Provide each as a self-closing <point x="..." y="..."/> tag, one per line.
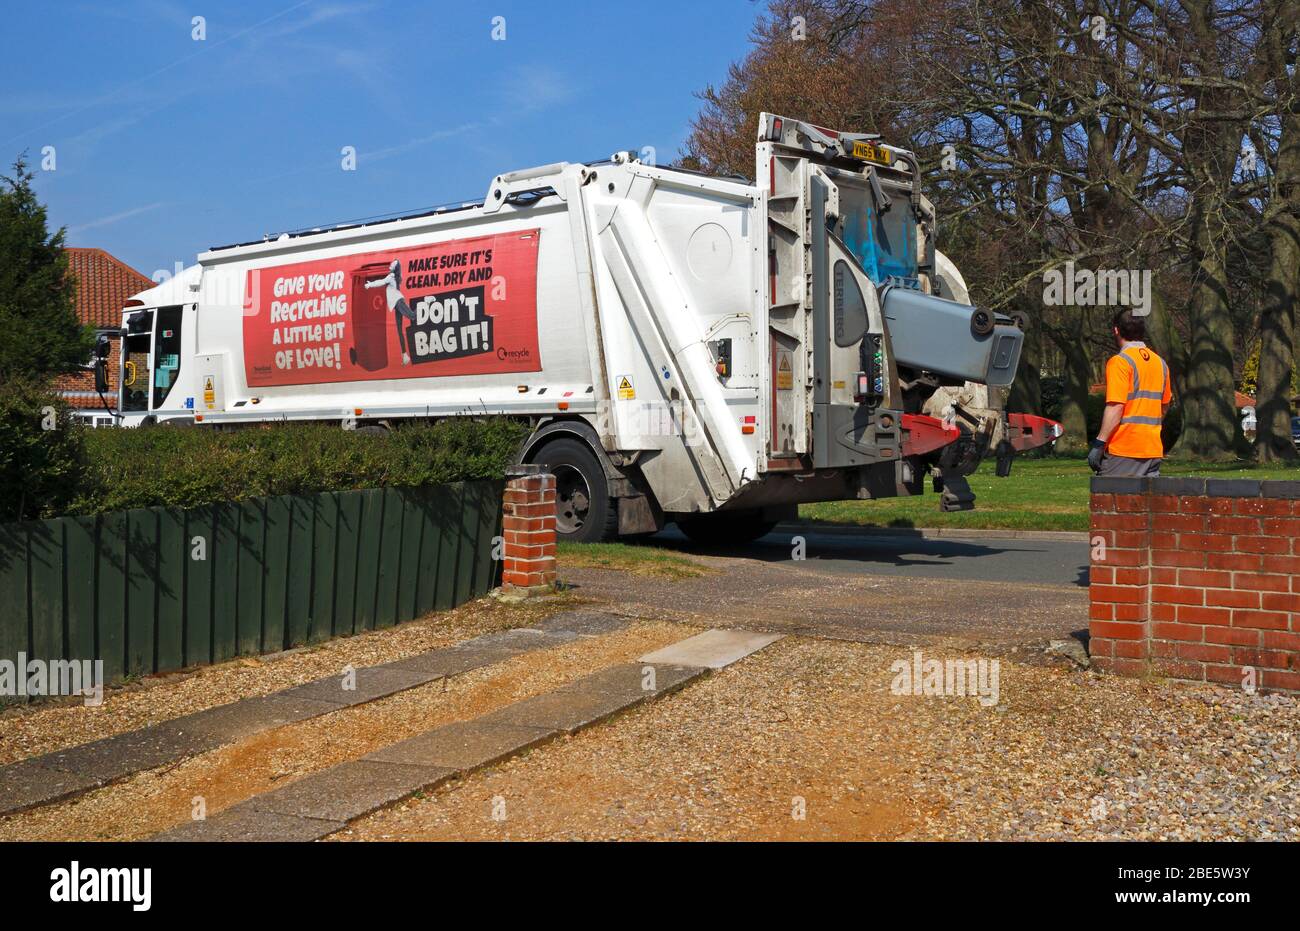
<point x="104" y="284"/>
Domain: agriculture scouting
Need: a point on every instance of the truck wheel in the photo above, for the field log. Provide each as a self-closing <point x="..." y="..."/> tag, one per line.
<point x="726" y="527"/>
<point x="584" y="511"/>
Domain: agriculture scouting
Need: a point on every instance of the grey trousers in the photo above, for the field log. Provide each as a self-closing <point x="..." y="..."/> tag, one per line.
<point x="1128" y="468"/>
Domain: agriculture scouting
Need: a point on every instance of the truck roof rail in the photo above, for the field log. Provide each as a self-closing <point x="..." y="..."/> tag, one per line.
<point x="450" y="207"/>
<point x="518" y="198"/>
<point x="525" y="198"/>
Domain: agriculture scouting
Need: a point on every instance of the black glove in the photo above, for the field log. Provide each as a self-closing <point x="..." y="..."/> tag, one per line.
<point x="1095" y="454"/>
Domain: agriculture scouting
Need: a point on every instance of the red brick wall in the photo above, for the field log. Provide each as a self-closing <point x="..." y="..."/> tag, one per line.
<point x="1197" y="579"/>
<point x="528" y="524"/>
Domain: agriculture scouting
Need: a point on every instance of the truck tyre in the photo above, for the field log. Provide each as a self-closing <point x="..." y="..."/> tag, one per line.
<point x="584" y="511"/>
<point x="726" y="527"/>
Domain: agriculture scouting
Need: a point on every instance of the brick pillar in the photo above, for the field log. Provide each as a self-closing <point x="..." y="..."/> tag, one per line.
<point x="1198" y="579"/>
<point x="528" y="523"/>
<point x="1119" y="576"/>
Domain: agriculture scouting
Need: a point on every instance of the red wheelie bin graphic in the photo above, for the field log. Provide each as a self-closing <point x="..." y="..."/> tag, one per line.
<point x="371" y="319"/>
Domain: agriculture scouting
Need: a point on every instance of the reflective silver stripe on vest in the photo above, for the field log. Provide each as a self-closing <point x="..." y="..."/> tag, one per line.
<point x="1151" y="421"/>
<point x="1149" y="395"/>
<point x="1137" y="382"/>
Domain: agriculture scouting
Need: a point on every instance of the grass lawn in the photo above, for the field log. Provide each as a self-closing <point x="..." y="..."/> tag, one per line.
<point x="1040" y="494"/>
<point x="629" y="557"/>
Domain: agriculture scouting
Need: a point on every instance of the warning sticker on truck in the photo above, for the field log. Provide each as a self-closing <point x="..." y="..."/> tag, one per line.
<point x="625" y="390"/>
<point x="465" y="307"/>
<point x="784" y="371"/>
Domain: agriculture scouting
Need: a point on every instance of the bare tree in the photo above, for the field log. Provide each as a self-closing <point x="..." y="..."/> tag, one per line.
<point x="1104" y="133"/>
<point x="1282" y="226"/>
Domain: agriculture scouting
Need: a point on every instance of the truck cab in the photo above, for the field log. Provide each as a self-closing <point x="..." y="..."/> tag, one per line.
<point x="158" y="342"/>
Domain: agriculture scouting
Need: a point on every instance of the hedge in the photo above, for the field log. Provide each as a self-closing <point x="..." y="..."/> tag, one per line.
<point x="189" y="467"/>
<point x="42" y="451"/>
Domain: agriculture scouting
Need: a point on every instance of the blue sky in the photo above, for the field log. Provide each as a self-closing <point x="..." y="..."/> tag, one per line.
<point x="165" y="145"/>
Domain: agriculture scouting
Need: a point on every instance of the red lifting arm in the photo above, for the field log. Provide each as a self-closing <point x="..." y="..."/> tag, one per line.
<point x="1026" y="431"/>
<point x="922" y="433"/>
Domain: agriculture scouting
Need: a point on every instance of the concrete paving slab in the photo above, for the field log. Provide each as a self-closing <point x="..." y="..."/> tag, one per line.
<point x="77" y="769"/>
<point x="228" y="723"/>
<point x="584" y="623"/>
<point x="464" y="745"/>
<point x="323" y="802"/>
<point x="563" y="711"/>
<point x="449" y="662"/>
<point x="246" y="824"/>
<point x="27" y="783"/>
<point x="517" y="640"/>
<point x="371" y="682"/>
<point x="114" y="757"/>
<point x="348" y="790"/>
<point x="633" y="681"/>
<point x="713" y="649"/>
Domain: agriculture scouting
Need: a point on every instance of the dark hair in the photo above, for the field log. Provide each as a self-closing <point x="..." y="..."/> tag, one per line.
<point x="1130" y="327"/>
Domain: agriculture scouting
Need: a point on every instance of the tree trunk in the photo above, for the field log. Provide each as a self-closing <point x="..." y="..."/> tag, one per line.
<point x="1165" y="339"/>
<point x="1074" y="405"/>
<point x="1278" y="319"/>
<point x="1209" y="415"/>
<point x="1277" y="352"/>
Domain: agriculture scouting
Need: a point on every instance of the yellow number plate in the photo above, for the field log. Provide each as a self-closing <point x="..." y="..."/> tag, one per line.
<point x="870" y="152"/>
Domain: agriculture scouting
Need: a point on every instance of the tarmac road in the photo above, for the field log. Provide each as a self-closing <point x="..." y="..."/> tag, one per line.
<point x="976" y="558"/>
<point x="998" y="592"/>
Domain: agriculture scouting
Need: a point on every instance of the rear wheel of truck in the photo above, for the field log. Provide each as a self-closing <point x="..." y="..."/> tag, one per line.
<point x="584" y="511"/>
<point x="726" y="527"/>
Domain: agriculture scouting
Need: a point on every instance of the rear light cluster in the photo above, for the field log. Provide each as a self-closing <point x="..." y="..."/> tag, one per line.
<point x="876" y="365"/>
<point x="871" y="383"/>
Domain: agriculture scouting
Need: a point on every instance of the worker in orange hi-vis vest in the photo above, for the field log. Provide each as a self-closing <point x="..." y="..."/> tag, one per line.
<point x="1137" y="396"/>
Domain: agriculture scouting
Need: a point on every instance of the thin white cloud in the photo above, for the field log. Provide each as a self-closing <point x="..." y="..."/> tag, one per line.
<point x="116" y="217"/>
<point x="93" y="135"/>
<point x="149" y="78"/>
<point x="528" y="89"/>
<point x="142" y="11"/>
<point x="312" y="17"/>
<point x="401" y="148"/>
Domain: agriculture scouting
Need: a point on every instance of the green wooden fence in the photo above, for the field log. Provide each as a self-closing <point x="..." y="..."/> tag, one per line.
<point x="157" y="589"/>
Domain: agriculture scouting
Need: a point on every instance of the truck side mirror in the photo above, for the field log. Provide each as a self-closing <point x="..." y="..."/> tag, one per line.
<point x="103" y="348"/>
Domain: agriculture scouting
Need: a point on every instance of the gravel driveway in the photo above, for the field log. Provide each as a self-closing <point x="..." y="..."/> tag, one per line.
<point x="815" y="737"/>
<point x="811" y="727"/>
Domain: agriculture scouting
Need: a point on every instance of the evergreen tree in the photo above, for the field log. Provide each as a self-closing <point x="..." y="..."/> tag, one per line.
<point x="40" y="335"/>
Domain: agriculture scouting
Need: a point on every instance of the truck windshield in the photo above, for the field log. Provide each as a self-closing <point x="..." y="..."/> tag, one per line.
<point x="167" y="354"/>
<point x="884" y="241"/>
<point x="136" y="355"/>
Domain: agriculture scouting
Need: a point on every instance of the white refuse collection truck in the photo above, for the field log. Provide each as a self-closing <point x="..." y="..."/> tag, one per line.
<point x="686" y="348"/>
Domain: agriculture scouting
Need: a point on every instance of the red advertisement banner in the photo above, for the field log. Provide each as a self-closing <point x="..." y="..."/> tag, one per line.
<point x="465" y="307"/>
